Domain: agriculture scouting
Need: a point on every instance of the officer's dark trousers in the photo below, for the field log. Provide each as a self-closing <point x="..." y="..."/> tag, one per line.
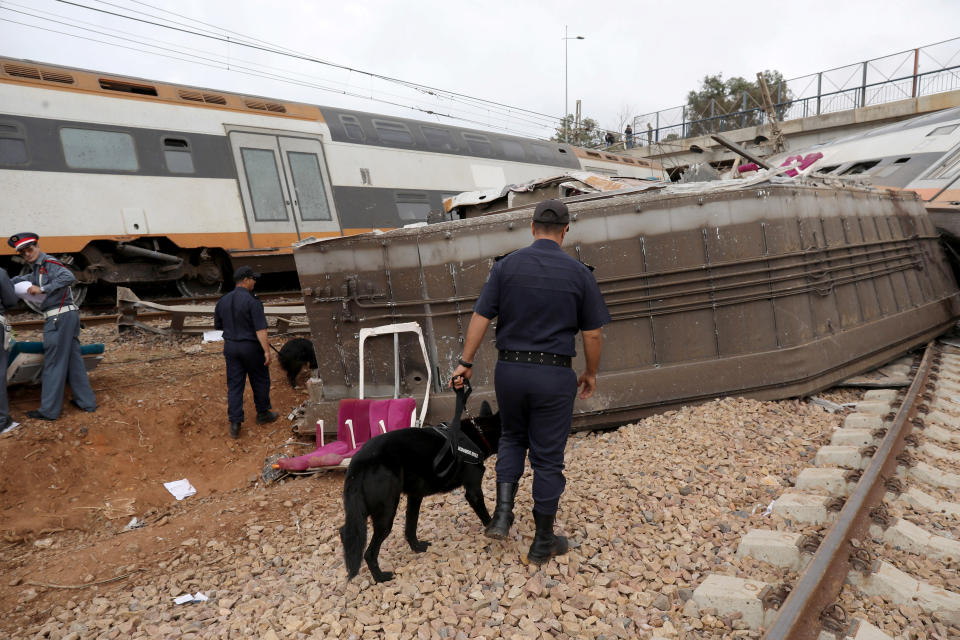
<point x="245" y="358"/>
<point x="4" y="403"/>
<point x="62" y="364"/>
<point x="536" y="407"/>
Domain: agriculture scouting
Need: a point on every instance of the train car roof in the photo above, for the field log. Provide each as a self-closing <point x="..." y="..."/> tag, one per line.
<point x="64" y="78"/>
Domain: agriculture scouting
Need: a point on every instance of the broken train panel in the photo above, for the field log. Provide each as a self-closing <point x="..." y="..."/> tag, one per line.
<point x="767" y="291"/>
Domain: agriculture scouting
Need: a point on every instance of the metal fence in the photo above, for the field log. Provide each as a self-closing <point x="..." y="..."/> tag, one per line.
<point x="917" y="72"/>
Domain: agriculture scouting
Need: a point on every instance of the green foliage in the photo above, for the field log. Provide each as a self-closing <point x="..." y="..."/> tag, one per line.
<point x="718" y="104"/>
<point x="589" y="133"/>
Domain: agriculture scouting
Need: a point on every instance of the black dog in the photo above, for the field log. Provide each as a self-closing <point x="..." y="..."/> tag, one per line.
<point x="403" y="462"/>
<point x="294" y="355"/>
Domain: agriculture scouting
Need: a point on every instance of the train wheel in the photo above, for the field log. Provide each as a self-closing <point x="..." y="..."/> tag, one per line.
<point x="208" y="280"/>
<point x="78" y="290"/>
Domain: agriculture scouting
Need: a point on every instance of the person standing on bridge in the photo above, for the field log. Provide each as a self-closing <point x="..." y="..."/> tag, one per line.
<point x="240" y="315"/>
<point x="542" y="297"/>
<point x="62" y="359"/>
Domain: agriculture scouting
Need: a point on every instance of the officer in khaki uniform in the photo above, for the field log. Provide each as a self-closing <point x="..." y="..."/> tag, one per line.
<point x="541" y="298"/>
<point x="62" y="359"/>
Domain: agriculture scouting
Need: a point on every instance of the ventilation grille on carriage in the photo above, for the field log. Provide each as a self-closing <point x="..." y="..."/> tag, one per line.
<point x="197" y="96"/>
<point x="265" y="106"/>
<point x="33" y="73"/>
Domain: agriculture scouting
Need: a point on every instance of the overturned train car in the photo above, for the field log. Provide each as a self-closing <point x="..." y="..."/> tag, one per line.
<point x="763" y="290"/>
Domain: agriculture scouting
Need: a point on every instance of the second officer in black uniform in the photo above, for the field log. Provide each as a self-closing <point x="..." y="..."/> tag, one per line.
<point x="541" y="298"/>
<point x="245" y="348"/>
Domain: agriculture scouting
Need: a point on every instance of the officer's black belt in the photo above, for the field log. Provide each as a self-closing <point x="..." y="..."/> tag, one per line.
<point x="536" y="357"/>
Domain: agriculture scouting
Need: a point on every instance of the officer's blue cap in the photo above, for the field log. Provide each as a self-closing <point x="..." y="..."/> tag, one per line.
<point x="245" y="272"/>
<point x="19" y="240"/>
<point x="551" y="212"/>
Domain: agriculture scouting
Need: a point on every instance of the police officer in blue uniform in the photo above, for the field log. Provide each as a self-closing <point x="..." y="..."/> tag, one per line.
<point x="240" y="315"/>
<point x="8" y="299"/>
<point x="542" y="297"/>
<point x="62" y="360"/>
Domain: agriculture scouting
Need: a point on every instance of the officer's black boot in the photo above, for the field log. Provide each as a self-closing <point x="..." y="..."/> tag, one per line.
<point x="267" y="416"/>
<point x="545" y="543"/>
<point x="499" y="525"/>
<point x="234" y="430"/>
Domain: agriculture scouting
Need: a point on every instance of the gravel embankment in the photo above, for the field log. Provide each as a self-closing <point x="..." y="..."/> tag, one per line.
<point x="650" y="510"/>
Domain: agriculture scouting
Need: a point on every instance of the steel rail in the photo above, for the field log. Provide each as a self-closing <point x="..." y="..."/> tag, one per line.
<point x="801" y="614"/>
<point x="111" y="318"/>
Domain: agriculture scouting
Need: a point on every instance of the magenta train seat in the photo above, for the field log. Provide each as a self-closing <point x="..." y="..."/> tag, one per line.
<point x="357" y="422"/>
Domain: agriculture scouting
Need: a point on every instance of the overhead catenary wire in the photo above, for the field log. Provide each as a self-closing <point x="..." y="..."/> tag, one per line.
<point x="219" y="64"/>
<point x="296" y="55"/>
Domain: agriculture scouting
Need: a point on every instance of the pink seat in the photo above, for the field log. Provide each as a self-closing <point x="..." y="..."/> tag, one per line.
<point x="401" y="413"/>
<point x="357" y="422"/>
<point x="353" y="429"/>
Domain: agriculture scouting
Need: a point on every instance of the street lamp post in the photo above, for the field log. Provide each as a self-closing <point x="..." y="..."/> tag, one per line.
<point x="566" y="76"/>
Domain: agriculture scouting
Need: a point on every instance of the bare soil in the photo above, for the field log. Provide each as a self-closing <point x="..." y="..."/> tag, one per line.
<point x="70" y="486"/>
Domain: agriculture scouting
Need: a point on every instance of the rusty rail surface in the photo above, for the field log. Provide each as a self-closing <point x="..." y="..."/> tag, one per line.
<point x="813" y="599"/>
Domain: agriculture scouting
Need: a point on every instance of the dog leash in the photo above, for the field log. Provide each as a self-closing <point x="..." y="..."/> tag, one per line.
<point x="458" y="450"/>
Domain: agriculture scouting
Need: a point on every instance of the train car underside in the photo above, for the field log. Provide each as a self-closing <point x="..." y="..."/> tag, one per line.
<point x="195" y="271"/>
<point x="767" y="288"/>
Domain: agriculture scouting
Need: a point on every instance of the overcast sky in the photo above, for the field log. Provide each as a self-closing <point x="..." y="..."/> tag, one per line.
<point x="636" y="57"/>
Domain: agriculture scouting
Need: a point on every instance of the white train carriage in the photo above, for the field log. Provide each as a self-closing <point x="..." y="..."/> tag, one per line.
<point x="134" y="181"/>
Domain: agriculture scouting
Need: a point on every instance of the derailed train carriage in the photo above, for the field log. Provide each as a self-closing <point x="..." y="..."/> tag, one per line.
<point x="767" y="288"/>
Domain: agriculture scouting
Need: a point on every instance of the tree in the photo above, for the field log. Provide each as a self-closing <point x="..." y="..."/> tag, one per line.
<point x="589" y="133"/>
<point x="719" y="104"/>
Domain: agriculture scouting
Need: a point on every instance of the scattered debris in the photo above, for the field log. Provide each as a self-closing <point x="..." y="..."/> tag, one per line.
<point x="196" y="597"/>
<point x="180" y="488"/>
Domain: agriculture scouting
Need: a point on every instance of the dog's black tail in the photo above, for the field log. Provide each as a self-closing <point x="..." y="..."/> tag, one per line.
<point x="353" y="533"/>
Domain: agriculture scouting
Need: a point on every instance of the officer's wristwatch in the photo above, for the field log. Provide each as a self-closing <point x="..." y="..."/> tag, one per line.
<point x="463" y="363"/>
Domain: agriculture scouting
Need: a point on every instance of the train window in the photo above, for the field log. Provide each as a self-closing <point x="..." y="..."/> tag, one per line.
<point x="513" y="150"/>
<point x="861" y="167"/>
<point x="128" y="87"/>
<point x="943" y="131"/>
<point x="393" y="132"/>
<point x="351" y="126"/>
<point x="13" y="144"/>
<point x="176" y="151"/>
<point x="96" y="149"/>
<point x="828" y="169"/>
<point x="412" y="206"/>
<point x="479" y="145"/>
<point x="263" y="179"/>
<point x="308" y="184"/>
<point x="544" y="154"/>
<point x="439" y="139"/>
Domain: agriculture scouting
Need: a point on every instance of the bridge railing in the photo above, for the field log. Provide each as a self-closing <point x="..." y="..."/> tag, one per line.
<point x="908" y="74"/>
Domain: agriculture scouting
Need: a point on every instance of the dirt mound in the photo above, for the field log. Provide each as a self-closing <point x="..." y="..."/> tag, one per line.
<point x="71" y="485"/>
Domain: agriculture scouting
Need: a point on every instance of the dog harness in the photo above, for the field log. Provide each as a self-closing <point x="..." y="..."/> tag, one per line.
<point x="458" y="449"/>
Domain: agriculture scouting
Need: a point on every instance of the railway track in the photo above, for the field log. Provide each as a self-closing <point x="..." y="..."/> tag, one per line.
<point x="881" y="492"/>
<point x="101" y="314"/>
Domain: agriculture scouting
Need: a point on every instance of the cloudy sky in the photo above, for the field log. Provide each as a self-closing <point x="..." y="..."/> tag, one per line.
<point x="635" y="58"/>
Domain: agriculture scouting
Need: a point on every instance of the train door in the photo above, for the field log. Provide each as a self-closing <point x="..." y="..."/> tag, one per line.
<point x="309" y="183"/>
<point x="284" y="187"/>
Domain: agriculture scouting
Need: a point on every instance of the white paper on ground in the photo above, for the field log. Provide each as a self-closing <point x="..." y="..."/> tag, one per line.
<point x="197" y="597"/>
<point x="21" y="290"/>
<point x="180" y="488"/>
<point x="212" y="336"/>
